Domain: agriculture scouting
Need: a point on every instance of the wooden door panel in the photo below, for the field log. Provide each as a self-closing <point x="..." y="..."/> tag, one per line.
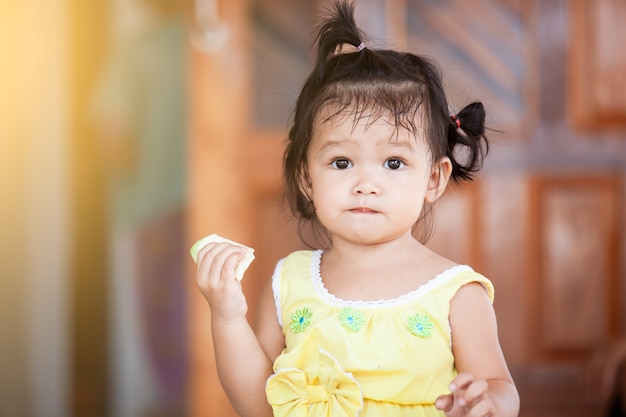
<point x="596" y="72"/>
<point x="574" y="264"/>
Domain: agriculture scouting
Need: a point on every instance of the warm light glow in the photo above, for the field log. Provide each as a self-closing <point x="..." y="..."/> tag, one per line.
<point x="34" y="205"/>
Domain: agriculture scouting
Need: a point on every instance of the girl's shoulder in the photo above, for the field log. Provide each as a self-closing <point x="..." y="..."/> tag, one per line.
<point x="462" y="275"/>
<point x="298" y="265"/>
<point x="452" y="277"/>
<point x="300" y="261"/>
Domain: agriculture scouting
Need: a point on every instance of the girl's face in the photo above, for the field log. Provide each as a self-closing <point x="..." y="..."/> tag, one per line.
<point x="368" y="180"/>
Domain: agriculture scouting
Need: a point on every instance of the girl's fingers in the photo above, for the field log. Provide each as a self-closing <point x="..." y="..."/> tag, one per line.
<point x="461" y="381"/>
<point x="217" y="262"/>
<point x="458" y="386"/>
<point x="216" y="280"/>
<point x="230" y="264"/>
<point x="222" y="260"/>
<point x="481" y="408"/>
<point x="471" y="395"/>
<point x="476" y="391"/>
<point x="444" y="402"/>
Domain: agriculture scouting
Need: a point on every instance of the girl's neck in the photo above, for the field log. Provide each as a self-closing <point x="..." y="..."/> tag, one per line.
<point x="347" y="253"/>
<point x="386" y="270"/>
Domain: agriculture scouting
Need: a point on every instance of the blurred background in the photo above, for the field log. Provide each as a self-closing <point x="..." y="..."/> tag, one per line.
<point x="131" y="128"/>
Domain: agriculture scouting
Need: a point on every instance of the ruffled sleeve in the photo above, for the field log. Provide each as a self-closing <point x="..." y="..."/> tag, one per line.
<point x="308" y="382"/>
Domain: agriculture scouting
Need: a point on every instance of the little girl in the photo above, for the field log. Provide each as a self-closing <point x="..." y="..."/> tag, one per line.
<point x="375" y="324"/>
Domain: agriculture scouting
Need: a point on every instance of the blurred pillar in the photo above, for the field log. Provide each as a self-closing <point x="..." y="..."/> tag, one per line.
<point x="219" y="91"/>
<point x="89" y="275"/>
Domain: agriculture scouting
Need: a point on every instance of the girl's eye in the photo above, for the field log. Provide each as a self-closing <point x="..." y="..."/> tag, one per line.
<point x="341" y="164"/>
<point x="394" y="163"/>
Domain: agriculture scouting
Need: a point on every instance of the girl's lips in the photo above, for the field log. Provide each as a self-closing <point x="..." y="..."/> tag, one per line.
<point x="363" y="210"/>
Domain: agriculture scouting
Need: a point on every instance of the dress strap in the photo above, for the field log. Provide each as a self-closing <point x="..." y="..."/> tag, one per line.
<point x="466" y="277"/>
<point x="276" y="285"/>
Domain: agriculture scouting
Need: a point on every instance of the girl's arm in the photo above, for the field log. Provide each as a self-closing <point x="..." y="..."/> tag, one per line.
<point x="242" y="363"/>
<point x="484" y="385"/>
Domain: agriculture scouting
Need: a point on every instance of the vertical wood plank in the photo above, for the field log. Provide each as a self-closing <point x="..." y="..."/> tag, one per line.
<point x="457" y="232"/>
<point x="219" y="116"/>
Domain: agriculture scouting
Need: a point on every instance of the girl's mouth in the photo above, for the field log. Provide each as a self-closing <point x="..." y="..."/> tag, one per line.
<point x="363" y="210"/>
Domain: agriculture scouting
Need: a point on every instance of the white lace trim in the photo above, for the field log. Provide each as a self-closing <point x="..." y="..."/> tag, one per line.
<point x="276" y="278"/>
<point x="318" y="285"/>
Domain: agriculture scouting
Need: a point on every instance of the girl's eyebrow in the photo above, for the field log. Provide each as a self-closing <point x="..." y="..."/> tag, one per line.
<point x="331" y="144"/>
<point x="400" y="145"/>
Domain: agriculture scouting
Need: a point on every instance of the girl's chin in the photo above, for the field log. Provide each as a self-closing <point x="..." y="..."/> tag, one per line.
<point x="366" y="238"/>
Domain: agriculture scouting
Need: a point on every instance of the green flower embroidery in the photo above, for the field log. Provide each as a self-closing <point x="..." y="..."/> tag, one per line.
<point x="300" y="320"/>
<point x="351" y="319"/>
<point x="420" y="325"/>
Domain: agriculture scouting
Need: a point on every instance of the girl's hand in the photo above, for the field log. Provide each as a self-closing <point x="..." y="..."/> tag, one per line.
<point x="469" y="397"/>
<point x="216" y="280"/>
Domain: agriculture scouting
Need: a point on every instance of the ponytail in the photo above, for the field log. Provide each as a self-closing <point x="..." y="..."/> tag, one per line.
<point x="337" y="30"/>
<point x="467" y="128"/>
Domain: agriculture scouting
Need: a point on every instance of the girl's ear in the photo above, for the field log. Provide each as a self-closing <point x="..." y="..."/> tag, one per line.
<point x="438" y="180"/>
<point x="305" y="185"/>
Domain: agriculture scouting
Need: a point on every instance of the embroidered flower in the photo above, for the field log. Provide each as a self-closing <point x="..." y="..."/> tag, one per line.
<point x="420" y="325"/>
<point x="351" y="319"/>
<point x="300" y="320"/>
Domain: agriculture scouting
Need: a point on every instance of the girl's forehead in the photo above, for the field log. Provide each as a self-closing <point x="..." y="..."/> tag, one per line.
<point x="352" y="119"/>
<point x="351" y="113"/>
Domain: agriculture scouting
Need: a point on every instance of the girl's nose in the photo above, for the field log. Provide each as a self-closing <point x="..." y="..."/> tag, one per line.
<point x="366" y="184"/>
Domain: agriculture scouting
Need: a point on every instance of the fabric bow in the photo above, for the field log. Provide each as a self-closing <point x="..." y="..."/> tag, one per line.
<point x="308" y="382"/>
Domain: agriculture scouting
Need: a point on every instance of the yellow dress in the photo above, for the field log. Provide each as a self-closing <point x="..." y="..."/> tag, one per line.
<point x="361" y="358"/>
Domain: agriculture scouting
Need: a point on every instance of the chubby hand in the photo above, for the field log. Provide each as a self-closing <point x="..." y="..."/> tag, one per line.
<point x="469" y="397"/>
<point x="216" y="280"/>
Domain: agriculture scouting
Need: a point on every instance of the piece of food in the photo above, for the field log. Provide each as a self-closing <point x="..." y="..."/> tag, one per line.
<point x="241" y="266"/>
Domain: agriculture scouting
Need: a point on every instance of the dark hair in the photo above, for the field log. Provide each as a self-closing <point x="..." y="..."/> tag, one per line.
<point x="402" y="85"/>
